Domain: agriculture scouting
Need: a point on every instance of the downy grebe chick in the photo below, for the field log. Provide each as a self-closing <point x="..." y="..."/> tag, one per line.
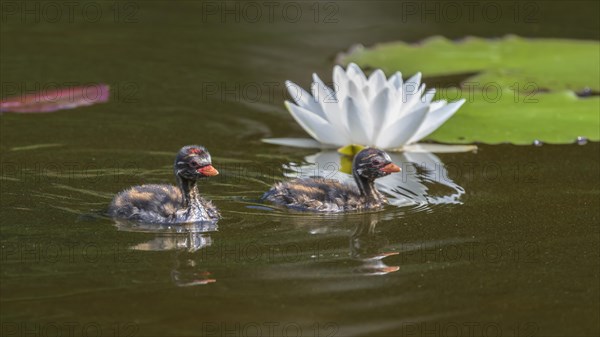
<point x="323" y="195"/>
<point x="167" y="203"/>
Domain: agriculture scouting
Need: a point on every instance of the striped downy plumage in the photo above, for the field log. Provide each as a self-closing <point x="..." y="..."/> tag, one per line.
<point x="323" y="195"/>
<point x="167" y="203"/>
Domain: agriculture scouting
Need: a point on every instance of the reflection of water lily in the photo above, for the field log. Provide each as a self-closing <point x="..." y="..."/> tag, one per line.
<point x="373" y="111"/>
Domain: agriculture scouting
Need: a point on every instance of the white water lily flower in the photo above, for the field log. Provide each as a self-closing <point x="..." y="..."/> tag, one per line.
<point x="386" y="113"/>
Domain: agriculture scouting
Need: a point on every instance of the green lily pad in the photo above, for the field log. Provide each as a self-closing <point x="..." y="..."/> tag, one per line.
<point x="556" y="117"/>
<point x="512" y="62"/>
<point x="536" y="78"/>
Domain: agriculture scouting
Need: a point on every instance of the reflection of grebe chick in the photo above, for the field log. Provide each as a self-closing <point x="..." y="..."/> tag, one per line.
<point x="167" y="203"/>
<point x="324" y="195"/>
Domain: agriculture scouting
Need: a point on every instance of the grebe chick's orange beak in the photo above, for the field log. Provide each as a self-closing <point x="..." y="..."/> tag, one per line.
<point x="208" y="171"/>
<point x="390" y="168"/>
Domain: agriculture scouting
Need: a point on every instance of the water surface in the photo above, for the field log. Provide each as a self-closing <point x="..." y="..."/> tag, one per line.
<point x="513" y="251"/>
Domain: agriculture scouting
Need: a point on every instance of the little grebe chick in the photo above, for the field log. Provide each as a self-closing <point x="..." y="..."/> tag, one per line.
<point x="323" y="195"/>
<point x="167" y="203"/>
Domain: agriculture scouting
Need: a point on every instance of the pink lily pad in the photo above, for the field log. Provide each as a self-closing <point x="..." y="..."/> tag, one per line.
<point x="57" y="99"/>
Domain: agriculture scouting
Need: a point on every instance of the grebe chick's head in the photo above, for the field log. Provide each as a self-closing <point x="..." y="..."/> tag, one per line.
<point x="371" y="163"/>
<point x="193" y="162"/>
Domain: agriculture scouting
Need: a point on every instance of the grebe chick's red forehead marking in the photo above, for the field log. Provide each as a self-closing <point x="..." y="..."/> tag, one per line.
<point x="194" y="150"/>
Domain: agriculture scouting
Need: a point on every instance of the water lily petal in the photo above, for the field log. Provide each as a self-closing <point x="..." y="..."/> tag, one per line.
<point x="355" y="121"/>
<point x="321" y="92"/>
<point x="359" y="98"/>
<point x="437" y="105"/>
<point x="400" y="131"/>
<point x="437" y="148"/>
<point x="331" y="108"/>
<point x="424" y="100"/>
<point x="340" y="83"/>
<point x="434" y="119"/>
<point x="406" y="92"/>
<point x="376" y="83"/>
<point x="304" y="99"/>
<point x="428" y="97"/>
<point x="294" y="142"/>
<point x="411" y="100"/>
<point x="363" y="108"/>
<point x="380" y="107"/>
<point x="395" y="81"/>
<point x="403" y="102"/>
<point x="416" y="79"/>
<point x="315" y="126"/>
<point x="356" y="75"/>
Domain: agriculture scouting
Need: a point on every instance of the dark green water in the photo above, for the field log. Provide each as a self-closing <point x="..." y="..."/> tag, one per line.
<point x="517" y="256"/>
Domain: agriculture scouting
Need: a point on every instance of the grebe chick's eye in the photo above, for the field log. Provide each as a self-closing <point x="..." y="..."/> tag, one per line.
<point x="376" y="162"/>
